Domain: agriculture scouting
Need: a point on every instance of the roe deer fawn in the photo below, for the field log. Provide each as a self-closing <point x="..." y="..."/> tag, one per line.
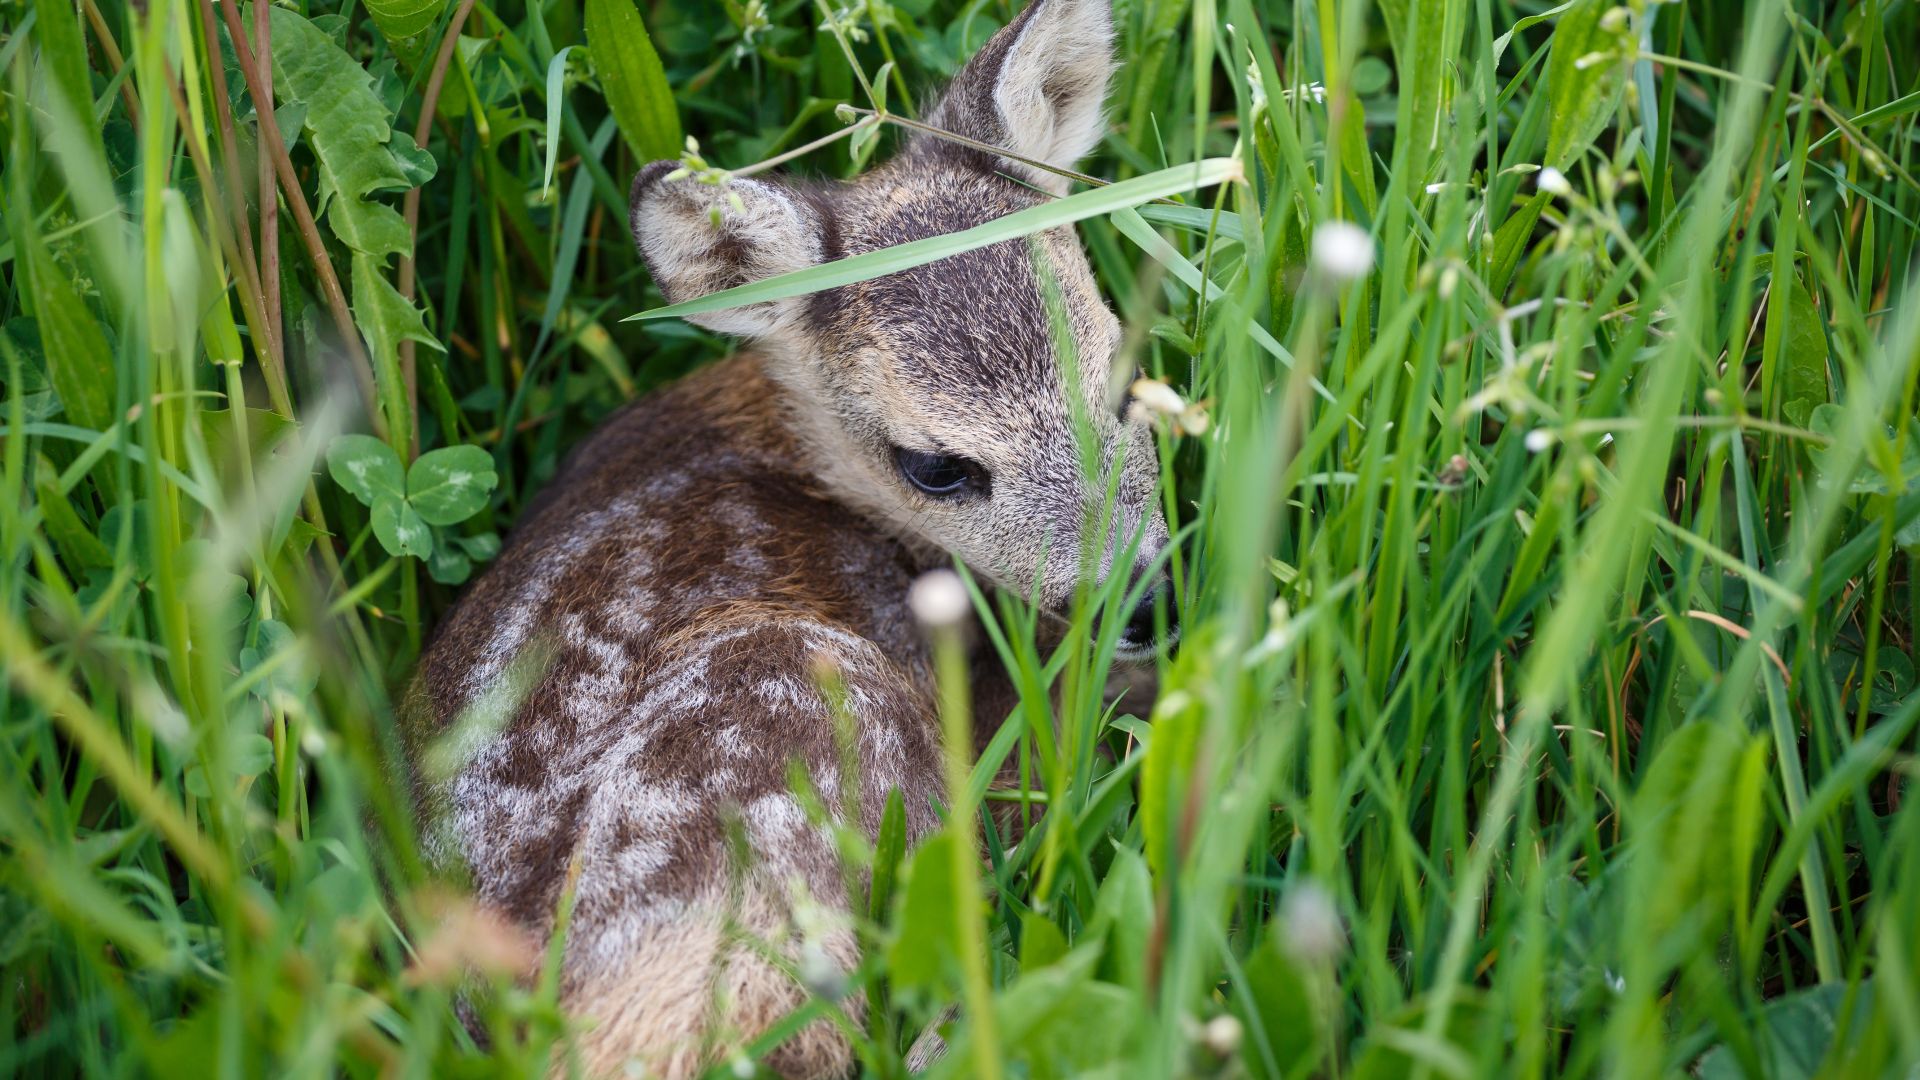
<point x="701" y="554"/>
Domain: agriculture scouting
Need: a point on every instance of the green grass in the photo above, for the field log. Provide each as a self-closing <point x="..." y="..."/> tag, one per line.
<point x="1549" y="593"/>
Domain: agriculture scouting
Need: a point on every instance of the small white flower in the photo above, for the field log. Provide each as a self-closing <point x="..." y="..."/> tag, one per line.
<point x="1539" y="440"/>
<point x="939" y="599"/>
<point x="1553" y="182"/>
<point x="1342" y="251"/>
<point x="1312" y="926"/>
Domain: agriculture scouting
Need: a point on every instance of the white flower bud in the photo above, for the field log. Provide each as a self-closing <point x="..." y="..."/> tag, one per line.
<point x="1310" y="923"/>
<point x="938" y="599"/>
<point x="1539" y="441"/>
<point x="1553" y="182"/>
<point x="1157" y="397"/>
<point x="1222" y="1035"/>
<point x="1342" y="251"/>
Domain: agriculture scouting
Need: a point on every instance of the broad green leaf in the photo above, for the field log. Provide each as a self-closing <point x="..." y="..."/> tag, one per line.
<point x="631" y="77"/>
<point x="1056" y="1022"/>
<point x="451" y="484"/>
<point x="1395" y="1045"/>
<point x="1284" y="1028"/>
<point x="61" y="523"/>
<point x="79" y="363"/>
<point x="367" y="468"/>
<point x="1892" y="683"/>
<point x="1178" y="723"/>
<point x="1830" y="420"/>
<point x="400" y="529"/>
<point x="1426" y="35"/>
<point x="251" y="754"/>
<point x="291" y="675"/>
<point x="480" y="548"/>
<point x="449" y="566"/>
<point x="1680" y="818"/>
<point x="1041" y="942"/>
<point x="1583" y="81"/>
<point x="1124" y="911"/>
<point x="888" y="848"/>
<point x="1803" y="353"/>
<point x="1795" y="1034"/>
<point x="404" y="22"/>
<point x="922" y="952"/>
<point x="1510" y="242"/>
<point x="873" y="264"/>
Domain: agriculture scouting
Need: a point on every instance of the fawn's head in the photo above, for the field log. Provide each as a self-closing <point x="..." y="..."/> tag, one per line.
<point x="974" y="405"/>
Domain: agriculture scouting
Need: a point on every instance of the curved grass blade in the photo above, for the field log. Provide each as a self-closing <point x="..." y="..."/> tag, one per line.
<point x="1087" y="204"/>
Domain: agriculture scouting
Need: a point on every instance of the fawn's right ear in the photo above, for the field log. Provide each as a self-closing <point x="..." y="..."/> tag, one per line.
<point x="763" y="229"/>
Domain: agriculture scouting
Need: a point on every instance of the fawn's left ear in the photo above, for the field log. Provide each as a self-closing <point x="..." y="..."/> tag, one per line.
<point x="1037" y="88"/>
<point x="698" y="238"/>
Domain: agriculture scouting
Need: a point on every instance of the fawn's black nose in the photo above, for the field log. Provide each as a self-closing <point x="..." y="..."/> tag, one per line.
<point x="1142" y="624"/>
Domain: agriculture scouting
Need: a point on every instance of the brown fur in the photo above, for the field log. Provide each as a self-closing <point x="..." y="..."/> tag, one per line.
<point x="622" y="694"/>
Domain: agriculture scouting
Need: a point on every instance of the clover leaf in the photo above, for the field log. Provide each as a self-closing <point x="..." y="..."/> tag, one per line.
<point x="444" y="487"/>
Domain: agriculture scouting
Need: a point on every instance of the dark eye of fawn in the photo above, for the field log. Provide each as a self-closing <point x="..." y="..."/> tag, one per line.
<point x="943" y="476"/>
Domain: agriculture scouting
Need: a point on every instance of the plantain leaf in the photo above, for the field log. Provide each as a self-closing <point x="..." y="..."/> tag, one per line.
<point x="631" y="77"/>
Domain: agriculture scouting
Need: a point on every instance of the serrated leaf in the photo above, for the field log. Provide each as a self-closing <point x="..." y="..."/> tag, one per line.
<point x="387" y="319"/>
<point x="350" y="132"/>
<point x="367" y="468"/>
<point x="400" y="530"/>
<point x="451" y="484"/>
<point x="631" y="77"/>
<point x="1581" y="93"/>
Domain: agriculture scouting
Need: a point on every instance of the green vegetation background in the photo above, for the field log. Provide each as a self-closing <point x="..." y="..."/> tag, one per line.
<point x="1547" y="705"/>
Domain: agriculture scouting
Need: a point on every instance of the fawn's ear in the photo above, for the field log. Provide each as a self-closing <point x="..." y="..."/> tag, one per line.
<point x="1037" y="87"/>
<point x="762" y="229"/>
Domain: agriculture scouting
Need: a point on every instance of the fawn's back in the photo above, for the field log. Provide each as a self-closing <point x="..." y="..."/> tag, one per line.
<point x="619" y="701"/>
